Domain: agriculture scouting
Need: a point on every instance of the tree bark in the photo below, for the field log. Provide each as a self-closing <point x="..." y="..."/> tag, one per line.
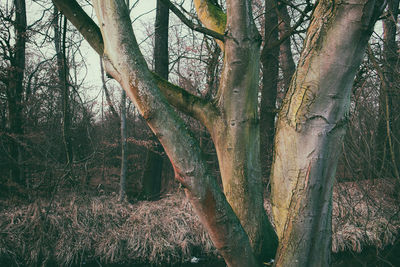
<point x="154" y="160"/>
<point x="310" y="127"/>
<point x="235" y="132"/>
<point x="15" y="92"/>
<point x="270" y="72"/>
<point x="126" y="64"/>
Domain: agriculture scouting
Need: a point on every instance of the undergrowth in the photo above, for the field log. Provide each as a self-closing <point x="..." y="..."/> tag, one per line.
<point x="77" y="229"/>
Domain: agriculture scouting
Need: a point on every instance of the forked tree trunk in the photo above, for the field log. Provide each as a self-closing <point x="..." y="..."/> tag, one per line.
<point x="235" y="131"/>
<point x="310" y="125"/>
<point x="126" y="64"/>
<point x="310" y="128"/>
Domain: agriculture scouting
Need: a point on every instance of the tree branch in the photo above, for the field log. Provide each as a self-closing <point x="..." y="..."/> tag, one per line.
<point x="190" y="104"/>
<point x="85" y="25"/>
<point x="190" y="24"/>
<point x="178" y="97"/>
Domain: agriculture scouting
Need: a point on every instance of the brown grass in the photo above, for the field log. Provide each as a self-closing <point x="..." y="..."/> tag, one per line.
<point x="99" y="228"/>
<point x="365" y="214"/>
<point x="76" y="229"/>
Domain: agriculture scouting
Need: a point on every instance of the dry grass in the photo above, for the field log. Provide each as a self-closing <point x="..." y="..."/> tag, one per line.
<point x="99" y="228"/>
<point x="76" y="229"/>
<point x="365" y="214"/>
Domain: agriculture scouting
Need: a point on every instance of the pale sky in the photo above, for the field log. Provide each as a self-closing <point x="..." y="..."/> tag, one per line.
<point x="143" y="13"/>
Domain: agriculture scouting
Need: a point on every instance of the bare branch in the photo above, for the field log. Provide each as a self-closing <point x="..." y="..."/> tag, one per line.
<point x="190" y="24"/>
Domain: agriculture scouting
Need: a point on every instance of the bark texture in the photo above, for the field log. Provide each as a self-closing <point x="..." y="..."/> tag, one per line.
<point x="236" y="130"/>
<point x="126" y="64"/>
<point x="310" y="128"/>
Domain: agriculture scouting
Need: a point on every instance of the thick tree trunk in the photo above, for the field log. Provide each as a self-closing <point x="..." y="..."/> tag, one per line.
<point x="310" y="128"/>
<point x="310" y="125"/>
<point x="15" y="92"/>
<point x="154" y="160"/>
<point x="126" y="64"/>
<point x="270" y="72"/>
<point x="236" y="132"/>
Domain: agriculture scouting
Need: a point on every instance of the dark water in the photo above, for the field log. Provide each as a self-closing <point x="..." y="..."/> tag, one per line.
<point x="200" y="264"/>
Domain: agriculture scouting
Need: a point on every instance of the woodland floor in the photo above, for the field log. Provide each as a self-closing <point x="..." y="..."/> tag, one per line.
<point x="89" y="227"/>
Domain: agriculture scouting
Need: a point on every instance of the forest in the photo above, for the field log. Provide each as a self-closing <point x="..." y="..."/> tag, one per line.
<point x="199" y="133"/>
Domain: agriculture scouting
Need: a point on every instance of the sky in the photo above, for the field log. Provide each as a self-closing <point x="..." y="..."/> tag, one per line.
<point x="144" y="12"/>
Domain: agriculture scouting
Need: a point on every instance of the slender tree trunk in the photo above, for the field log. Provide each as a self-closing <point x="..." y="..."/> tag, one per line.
<point x="270" y="72"/>
<point x="122" y="189"/>
<point x="310" y="128"/>
<point x="15" y="92"/>
<point x="154" y="160"/>
<point x="62" y="67"/>
<point x="286" y="57"/>
<point x="388" y="146"/>
<point x="106" y="92"/>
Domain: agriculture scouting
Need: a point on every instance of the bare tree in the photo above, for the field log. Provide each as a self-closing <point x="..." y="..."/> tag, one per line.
<point x="15" y="89"/>
<point x="60" y="33"/>
<point x="310" y="125"/>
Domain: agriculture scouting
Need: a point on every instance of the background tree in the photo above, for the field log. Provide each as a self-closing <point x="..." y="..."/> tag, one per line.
<point x="154" y="160"/>
<point x="14" y="53"/>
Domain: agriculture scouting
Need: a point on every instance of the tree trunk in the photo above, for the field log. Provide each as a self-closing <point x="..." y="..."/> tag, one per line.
<point x="286" y="57"/>
<point x="154" y="160"/>
<point x="310" y="125"/>
<point x="15" y="92"/>
<point x="62" y="68"/>
<point x="310" y="128"/>
<point x="122" y="188"/>
<point x="388" y="146"/>
<point x="126" y="64"/>
<point x="236" y="131"/>
<point x="270" y="72"/>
